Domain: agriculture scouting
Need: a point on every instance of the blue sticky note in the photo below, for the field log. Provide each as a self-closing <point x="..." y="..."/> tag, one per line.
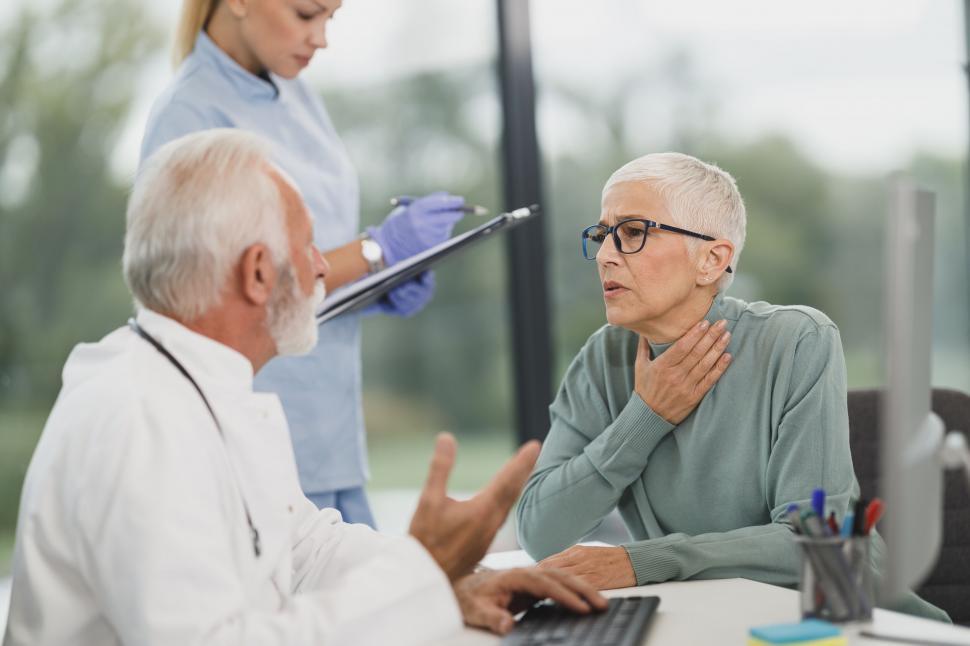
<point x="793" y="633"/>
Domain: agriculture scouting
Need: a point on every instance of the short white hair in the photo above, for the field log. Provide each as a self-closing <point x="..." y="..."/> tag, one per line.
<point x="700" y="197"/>
<point x="197" y="204"/>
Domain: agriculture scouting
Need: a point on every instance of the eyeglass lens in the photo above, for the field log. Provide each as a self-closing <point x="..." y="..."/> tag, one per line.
<point x="631" y="235"/>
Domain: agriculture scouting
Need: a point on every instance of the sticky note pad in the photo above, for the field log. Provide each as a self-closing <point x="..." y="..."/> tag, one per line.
<point x="825" y="641"/>
<point x="810" y="631"/>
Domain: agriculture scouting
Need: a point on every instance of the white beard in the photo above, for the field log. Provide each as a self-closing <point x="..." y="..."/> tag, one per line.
<point x="291" y="316"/>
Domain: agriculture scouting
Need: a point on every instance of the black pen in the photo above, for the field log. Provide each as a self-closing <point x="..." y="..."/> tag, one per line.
<point x="859" y="517"/>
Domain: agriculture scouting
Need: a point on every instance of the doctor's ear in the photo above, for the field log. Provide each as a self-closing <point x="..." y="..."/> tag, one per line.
<point x="257" y="274"/>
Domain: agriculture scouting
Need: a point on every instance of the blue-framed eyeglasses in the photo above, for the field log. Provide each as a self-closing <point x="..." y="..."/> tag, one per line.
<point x="629" y="236"/>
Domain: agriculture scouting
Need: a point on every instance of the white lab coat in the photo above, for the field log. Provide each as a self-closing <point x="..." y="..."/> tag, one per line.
<point x="132" y="529"/>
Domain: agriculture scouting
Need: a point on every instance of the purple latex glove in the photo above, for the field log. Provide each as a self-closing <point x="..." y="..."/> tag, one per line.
<point x="407" y="299"/>
<point x="410" y="229"/>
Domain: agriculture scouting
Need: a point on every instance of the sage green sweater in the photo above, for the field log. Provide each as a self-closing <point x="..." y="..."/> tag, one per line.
<point x="706" y="498"/>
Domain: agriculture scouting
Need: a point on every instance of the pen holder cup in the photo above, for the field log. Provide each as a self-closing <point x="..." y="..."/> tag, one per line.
<point x="836" y="578"/>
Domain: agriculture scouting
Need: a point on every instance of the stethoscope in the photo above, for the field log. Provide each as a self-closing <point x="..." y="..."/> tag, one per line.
<point x="140" y="331"/>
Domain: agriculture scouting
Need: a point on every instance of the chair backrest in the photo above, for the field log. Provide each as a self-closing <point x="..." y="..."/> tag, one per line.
<point x="948" y="587"/>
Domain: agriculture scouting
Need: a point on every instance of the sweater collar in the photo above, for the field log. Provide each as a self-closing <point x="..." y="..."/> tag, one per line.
<point x="250" y="85"/>
<point x="713" y="316"/>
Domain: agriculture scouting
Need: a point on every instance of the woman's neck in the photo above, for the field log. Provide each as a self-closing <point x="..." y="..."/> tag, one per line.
<point x="223" y="29"/>
<point x="675" y="322"/>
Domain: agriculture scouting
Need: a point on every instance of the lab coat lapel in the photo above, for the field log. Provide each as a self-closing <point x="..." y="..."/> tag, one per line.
<point x="261" y="448"/>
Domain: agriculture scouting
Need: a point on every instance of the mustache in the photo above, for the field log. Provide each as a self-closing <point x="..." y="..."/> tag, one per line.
<point x="319" y="295"/>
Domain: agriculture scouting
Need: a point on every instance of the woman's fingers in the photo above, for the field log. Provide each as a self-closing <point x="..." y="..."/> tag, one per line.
<point x="708" y="361"/>
<point x="679" y="350"/>
<point x="708" y="381"/>
<point x="702" y="346"/>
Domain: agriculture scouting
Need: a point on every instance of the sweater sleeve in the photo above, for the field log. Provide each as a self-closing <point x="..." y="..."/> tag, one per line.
<point x="587" y="460"/>
<point x="810" y="448"/>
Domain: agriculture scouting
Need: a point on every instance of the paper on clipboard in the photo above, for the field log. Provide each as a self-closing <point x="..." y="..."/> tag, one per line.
<point x="367" y="290"/>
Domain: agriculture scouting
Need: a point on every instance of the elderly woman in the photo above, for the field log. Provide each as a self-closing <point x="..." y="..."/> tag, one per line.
<point x="699" y="416"/>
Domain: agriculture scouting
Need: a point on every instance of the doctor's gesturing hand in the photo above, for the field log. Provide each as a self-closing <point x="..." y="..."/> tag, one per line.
<point x="457" y="534"/>
<point x="675" y="382"/>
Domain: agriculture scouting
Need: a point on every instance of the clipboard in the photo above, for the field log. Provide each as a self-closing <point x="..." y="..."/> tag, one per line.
<point x="367" y="290"/>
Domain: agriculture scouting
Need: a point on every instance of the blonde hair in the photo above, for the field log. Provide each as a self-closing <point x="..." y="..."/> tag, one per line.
<point x="195" y="15"/>
<point x="700" y="196"/>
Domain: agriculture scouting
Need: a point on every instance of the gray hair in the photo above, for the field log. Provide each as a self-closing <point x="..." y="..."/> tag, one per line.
<point x="700" y="197"/>
<point x="197" y="204"/>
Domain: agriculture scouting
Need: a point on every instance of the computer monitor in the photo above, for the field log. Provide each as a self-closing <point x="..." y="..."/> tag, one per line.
<point x="911" y="463"/>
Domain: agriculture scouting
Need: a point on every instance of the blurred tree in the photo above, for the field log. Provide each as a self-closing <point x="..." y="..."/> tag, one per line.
<point x="65" y="93"/>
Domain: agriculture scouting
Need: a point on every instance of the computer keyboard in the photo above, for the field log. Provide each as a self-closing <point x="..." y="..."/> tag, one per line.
<point x="623" y="624"/>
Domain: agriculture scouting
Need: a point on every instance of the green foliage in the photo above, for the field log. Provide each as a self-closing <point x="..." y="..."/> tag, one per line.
<point x="61" y="236"/>
<point x="19" y="431"/>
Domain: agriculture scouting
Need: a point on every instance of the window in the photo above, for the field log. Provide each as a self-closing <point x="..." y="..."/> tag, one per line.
<point x="808" y="105"/>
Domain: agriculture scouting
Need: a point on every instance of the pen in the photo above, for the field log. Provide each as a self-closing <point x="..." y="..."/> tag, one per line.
<point x="873" y="514"/>
<point x="811" y="524"/>
<point x="404" y="200"/>
<point x="847" y="524"/>
<point x="859" y="517"/>
<point x="833" y="525"/>
<point x="818" y="505"/>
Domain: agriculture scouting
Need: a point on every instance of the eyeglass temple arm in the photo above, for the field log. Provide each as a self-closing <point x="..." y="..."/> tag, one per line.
<point x="667" y="227"/>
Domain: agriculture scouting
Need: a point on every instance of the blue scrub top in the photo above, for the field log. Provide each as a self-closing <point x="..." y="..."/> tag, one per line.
<point x="321" y="392"/>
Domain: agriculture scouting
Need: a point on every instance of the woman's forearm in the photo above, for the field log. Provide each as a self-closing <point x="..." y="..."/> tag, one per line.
<point x="578" y="482"/>
<point x="347" y="265"/>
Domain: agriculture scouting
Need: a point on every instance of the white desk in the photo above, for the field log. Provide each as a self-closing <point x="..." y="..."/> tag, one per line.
<point x="722" y="611"/>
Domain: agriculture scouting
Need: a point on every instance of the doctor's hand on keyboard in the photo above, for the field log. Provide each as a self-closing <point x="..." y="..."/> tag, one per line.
<point x="490" y="599"/>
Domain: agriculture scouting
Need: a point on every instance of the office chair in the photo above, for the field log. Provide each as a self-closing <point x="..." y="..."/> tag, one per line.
<point x="948" y="586"/>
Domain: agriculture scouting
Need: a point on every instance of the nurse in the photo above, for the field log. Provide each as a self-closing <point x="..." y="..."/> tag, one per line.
<point x="239" y="62"/>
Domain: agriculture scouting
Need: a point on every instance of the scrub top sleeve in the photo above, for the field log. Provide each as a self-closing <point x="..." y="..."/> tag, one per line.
<point x="174" y="120"/>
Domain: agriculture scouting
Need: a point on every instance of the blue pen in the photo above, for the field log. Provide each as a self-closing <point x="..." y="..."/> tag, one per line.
<point x="404" y="200"/>
<point x="847" y="525"/>
<point x="818" y="502"/>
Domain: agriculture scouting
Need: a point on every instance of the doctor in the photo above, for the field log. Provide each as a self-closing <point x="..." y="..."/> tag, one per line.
<point x="162" y="505"/>
<point x="239" y="62"/>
